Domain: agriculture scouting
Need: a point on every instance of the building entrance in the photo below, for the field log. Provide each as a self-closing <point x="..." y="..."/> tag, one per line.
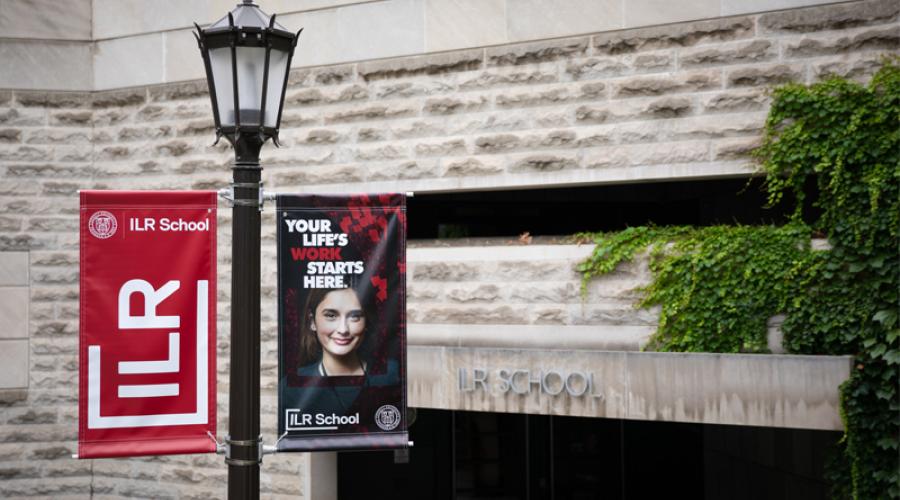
<point x="473" y="455"/>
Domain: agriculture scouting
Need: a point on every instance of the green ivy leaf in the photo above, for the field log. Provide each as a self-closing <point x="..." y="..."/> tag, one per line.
<point x="892" y="357"/>
<point x="887" y="317"/>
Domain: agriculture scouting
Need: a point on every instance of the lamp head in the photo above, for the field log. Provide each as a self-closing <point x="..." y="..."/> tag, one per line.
<point x="247" y="56"/>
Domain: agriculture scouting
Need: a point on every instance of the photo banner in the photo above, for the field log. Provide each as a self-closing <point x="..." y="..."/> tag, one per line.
<point x="341" y="322"/>
<point x="147" y="336"/>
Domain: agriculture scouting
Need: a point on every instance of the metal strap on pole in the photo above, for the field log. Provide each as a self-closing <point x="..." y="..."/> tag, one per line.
<point x="228" y="195"/>
<point x="257" y="443"/>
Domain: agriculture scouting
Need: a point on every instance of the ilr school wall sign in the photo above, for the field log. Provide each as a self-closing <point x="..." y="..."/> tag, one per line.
<point x="551" y="382"/>
<point x="736" y="389"/>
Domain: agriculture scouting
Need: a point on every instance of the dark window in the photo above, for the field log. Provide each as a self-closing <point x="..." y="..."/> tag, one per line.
<point x="565" y="211"/>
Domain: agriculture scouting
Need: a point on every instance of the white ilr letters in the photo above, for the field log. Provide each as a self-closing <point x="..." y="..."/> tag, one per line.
<point x="152" y="299"/>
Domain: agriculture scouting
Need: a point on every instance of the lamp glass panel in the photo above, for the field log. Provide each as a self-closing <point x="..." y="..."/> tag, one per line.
<point x="220" y="63"/>
<point x="250" y="67"/>
<point x="278" y="61"/>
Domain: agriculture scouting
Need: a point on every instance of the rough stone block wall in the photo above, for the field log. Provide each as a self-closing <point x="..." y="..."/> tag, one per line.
<point x="501" y="293"/>
<point x="669" y="102"/>
<point x="672" y="102"/>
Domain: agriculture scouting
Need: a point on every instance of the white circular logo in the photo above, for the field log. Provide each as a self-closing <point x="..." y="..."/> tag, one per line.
<point x="387" y="417"/>
<point x="103" y="224"/>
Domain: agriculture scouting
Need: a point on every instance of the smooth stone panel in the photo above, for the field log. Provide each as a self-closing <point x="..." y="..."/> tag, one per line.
<point x="284" y="6"/>
<point x="652" y="12"/>
<point x="14" y="312"/>
<point x="454" y="24"/>
<point x="320" y="43"/>
<point x="359" y="32"/>
<point x="732" y="7"/>
<point x="13" y="364"/>
<point x="182" y="57"/>
<point x="305" y="5"/>
<point x="537" y="19"/>
<point x="320" y="475"/>
<point x="426" y="384"/>
<point x="774" y="335"/>
<point x="758" y="390"/>
<point x="118" y="18"/>
<point x="46" y="19"/>
<point x="13" y="268"/>
<point x="45" y="65"/>
<point x="733" y="389"/>
<point x="128" y="62"/>
<point x="382" y="29"/>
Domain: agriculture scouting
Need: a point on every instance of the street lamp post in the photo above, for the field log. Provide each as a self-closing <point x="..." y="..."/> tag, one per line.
<point x="247" y="58"/>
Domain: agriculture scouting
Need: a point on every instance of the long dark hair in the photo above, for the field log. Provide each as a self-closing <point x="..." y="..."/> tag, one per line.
<point x="310" y="349"/>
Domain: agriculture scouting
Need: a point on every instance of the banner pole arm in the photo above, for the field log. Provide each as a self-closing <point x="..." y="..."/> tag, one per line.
<point x="272" y="449"/>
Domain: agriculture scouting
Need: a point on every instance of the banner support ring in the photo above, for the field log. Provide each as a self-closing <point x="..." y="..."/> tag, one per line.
<point x="226" y="446"/>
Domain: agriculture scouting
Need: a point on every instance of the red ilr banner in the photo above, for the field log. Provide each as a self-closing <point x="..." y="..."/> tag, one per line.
<point x="147" y="349"/>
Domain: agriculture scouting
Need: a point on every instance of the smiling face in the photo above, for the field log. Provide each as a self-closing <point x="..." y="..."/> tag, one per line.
<point x="339" y="323"/>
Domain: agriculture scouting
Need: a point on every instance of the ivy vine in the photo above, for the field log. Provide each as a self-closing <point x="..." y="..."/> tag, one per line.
<point x="717" y="286"/>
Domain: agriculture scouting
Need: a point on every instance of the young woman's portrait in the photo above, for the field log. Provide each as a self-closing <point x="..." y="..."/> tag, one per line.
<point x="337" y="333"/>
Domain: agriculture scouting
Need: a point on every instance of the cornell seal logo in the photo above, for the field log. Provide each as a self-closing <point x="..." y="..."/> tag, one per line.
<point x="102" y="224"/>
<point x="387" y="417"/>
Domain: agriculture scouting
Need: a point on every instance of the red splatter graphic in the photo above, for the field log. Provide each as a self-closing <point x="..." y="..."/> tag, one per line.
<point x="381" y="284"/>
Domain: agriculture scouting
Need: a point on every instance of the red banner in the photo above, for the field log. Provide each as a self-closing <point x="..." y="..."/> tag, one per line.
<point x="147" y="369"/>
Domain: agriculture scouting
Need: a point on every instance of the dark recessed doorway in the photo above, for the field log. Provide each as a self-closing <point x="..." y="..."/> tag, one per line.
<point x="474" y="455"/>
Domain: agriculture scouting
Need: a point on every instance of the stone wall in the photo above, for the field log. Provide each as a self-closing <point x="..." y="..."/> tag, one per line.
<point x="511" y="295"/>
<point x="675" y="102"/>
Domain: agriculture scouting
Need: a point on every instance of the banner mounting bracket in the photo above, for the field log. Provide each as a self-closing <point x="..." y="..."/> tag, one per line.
<point x="227" y="194"/>
<point x="221" y="448"/>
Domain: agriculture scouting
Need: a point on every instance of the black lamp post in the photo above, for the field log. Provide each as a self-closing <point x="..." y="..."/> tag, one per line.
<point x="247" y="58"/>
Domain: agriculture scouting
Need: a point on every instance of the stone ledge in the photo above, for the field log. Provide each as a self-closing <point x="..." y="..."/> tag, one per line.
<point x="425" y="64"/>
<point x="592" y="337"/>
<point x="675" y="35"/>
<point x="10" y="397"/>
<point x="488" y="241"/>
<point x="830" y="17"/>
<point x="53" y="99"/>
<point x="119" y="98"/>
<point x="501" y="253"/>
<point x="535" y="52"/>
